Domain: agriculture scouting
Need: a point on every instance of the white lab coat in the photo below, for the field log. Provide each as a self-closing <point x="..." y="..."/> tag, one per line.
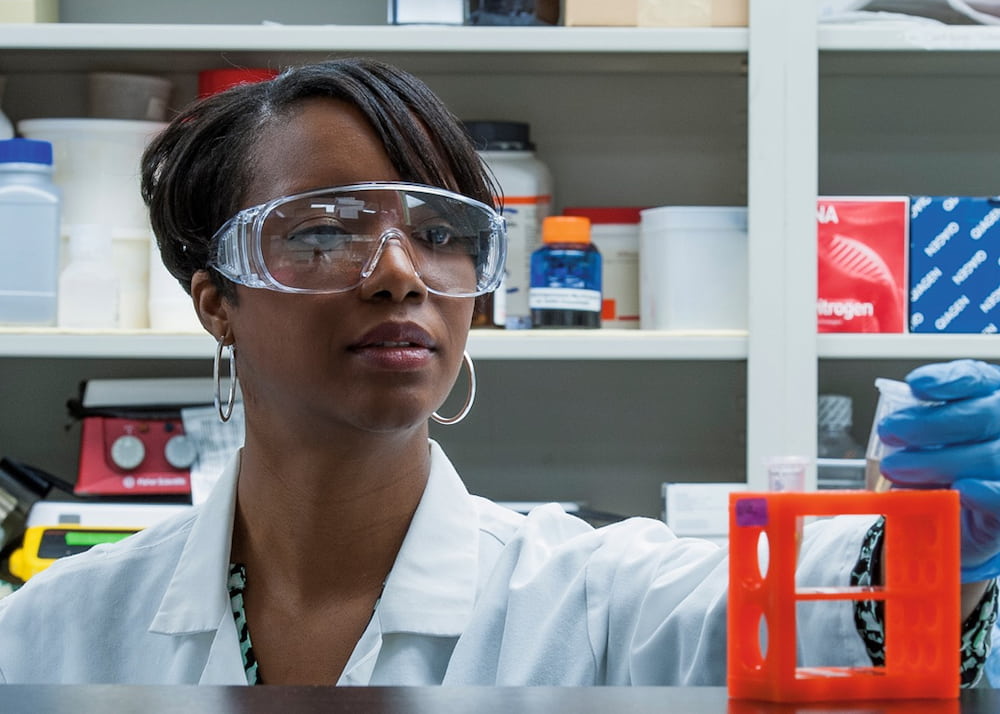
<point x="478" y="595"/>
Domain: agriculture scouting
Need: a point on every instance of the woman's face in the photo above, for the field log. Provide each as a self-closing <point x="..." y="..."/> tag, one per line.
<point x="380" y="357"/>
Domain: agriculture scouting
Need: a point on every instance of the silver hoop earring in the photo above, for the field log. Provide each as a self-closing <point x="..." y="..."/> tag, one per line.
<point x="467" y="407"/>
<point x="224" y="415"/>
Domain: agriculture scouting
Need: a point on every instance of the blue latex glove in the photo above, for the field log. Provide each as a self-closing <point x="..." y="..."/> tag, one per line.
<point x="955" y="443"/>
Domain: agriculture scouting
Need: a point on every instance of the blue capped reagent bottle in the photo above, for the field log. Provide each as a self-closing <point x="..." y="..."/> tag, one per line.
<point x="566" y="276"/>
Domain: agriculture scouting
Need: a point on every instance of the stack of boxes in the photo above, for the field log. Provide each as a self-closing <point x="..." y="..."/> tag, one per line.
<point x="656" y="13"/>
<point x="920" y="264"/>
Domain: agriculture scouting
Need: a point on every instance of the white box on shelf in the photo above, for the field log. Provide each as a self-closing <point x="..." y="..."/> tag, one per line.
<point x="693" y="268"/>
<point x="699" y="510"/>
<point x="436" y="12"/>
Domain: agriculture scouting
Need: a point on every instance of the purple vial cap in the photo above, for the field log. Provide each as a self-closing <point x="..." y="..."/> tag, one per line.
<point x="25" y="151"/>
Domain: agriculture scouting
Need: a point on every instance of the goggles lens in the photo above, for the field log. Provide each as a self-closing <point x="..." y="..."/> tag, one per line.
<point x="330" y="240"/>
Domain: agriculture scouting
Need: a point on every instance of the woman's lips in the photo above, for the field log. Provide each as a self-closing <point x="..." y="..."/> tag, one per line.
<point x="395" y="346"/>
<point x="396" y="334"/>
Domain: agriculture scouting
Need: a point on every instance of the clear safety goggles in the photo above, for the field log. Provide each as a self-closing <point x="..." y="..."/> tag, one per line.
<point x="330" y="240"/>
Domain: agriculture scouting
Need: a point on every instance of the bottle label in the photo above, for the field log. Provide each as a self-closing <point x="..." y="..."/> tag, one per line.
<point x="565" y="299"/>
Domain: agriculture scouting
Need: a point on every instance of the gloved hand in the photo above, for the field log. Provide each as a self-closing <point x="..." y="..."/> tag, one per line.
<point x="954" y="443"/>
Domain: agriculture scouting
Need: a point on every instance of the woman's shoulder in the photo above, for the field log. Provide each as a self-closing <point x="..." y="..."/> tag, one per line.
<point x="108" y="567"/>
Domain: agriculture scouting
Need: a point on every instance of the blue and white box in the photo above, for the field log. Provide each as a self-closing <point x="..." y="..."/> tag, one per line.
<point x="954" y="264"/>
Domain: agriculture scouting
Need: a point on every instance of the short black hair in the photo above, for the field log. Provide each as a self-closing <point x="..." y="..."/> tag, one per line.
<point x="196" y="172"/>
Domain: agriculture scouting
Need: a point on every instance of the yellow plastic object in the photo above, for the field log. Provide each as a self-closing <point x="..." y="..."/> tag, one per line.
<point x="921" y="592"/>
<point x="43" y="545"/>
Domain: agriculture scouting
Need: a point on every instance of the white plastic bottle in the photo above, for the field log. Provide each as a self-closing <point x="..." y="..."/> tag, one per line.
<point x="526" y="186"/>
<point x="170" y="307"/>
<point x="615" y="232"/>
<point x="29" y="233"/>
<point x="88" y="285"/>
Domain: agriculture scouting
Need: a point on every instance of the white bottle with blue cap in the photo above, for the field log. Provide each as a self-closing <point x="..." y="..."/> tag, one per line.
<point x="29" y="233"/>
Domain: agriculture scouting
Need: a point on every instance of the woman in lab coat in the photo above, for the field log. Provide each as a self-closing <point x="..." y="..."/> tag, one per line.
<point x="340" y="545"/>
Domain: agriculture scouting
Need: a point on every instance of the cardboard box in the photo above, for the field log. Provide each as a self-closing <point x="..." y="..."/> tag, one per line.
<point x="656" y="13"/>
<point x="598" y="13"/>
<point x="954" y="264"/>
<point x="29" y="11"/>
<point x="862" y="263"/>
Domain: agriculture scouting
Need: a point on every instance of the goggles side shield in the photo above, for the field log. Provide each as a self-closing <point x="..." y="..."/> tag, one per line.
<point x="330" y="240"/>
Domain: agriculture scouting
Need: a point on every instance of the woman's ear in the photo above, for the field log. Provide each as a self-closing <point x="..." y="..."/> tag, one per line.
<point x="211" y="307"/>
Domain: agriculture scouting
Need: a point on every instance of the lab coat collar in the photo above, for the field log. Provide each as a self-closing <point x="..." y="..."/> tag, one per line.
<point x="197" y="598"/>
<point x="431" y="588"/>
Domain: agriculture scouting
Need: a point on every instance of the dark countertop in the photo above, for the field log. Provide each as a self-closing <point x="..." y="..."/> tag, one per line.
<point x="109" y="699"/>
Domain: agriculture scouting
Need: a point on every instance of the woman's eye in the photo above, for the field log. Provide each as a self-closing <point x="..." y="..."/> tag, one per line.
<point x="439" y="236"/>
<point x="320" y="238"/>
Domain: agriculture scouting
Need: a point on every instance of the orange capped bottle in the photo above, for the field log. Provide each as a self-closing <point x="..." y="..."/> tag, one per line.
<point x="566" y="276"/>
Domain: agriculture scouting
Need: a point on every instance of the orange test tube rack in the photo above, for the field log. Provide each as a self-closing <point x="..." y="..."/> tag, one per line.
<point x="921" y="551"/>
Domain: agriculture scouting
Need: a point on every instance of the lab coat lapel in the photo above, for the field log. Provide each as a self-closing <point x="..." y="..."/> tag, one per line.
<point x="432" y="586"/>
<point x="224" y="664"/>
<point x="196" y="601"/>
<point x="359" y="668"/>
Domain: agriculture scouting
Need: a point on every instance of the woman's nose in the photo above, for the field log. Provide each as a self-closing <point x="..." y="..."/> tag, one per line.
<point x="393" y="273"/>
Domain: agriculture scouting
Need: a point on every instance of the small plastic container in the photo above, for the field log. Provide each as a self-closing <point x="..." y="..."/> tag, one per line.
<point x="893" y="395"/>
<point x="693" y="268"/>
<point x="786" y="473"/>
<point x="170" y="307"/>
<point x="839" y="458"/>
<point x="526" y="196"/>
<point x="97" y="167"/>
<point x="213" y="81"/>
<point x="566" y="276"/>
<point x="29" y="233"/>
<point x="118" y="95"/>
<point x="88" y="285"/>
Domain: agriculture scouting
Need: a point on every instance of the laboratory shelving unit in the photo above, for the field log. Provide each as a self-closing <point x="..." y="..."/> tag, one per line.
<point x="904" y="109"/>
<point x="623" y="116"/>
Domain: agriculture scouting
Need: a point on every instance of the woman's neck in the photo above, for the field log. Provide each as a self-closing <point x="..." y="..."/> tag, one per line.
<point x="325" y="521"/>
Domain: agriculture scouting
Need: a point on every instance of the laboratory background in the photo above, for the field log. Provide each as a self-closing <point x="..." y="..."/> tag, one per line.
<point x="771" y="205"/>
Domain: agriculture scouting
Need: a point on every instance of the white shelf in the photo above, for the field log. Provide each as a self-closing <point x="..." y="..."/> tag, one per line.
<point x="423" y="49"/>
<point x="908" y="346"/>
<point x="622" y="345"/>
<point x="910" y="50"/>
<point x="483" y="344"/>
<point x="52" y="342"/>
<point x="609" y="344"/>
<point x="908" y="37"/>
<point x="376" y="38"/>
